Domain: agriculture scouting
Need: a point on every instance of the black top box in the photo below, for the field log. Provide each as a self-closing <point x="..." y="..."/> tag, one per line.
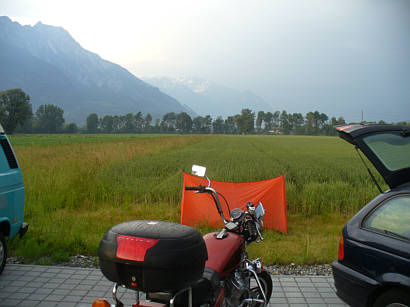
<point x="152" y="256"/>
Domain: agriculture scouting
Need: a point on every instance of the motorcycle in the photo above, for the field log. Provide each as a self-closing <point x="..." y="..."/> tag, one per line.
<point x="175" y="266"/>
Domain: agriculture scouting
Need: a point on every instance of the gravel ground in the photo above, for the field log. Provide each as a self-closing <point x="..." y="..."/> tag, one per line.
<point x="296" y="269"/>
<point x="290" y="269"/>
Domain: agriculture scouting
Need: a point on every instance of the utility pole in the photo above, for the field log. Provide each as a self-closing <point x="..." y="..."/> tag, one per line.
<point x="362" y="117"/>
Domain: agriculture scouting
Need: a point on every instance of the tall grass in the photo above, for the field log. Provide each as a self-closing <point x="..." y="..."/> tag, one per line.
<point x="75" y="191"/>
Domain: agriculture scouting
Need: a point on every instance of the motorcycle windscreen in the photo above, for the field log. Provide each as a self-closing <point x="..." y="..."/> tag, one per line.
<point x="199" y="209"/>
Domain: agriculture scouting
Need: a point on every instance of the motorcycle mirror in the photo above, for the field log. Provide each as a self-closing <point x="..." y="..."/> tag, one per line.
<point x="198" y="170"/>
<point x="260" y="212"/>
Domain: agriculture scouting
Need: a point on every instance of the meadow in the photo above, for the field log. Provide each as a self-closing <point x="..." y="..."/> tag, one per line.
<point x="78" y="186"/>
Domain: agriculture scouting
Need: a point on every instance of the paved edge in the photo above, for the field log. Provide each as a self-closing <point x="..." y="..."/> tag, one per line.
<point x="35" y="285"/>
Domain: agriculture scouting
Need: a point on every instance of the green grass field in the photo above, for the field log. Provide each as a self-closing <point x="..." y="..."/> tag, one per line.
<point x="78" y="186"/>
<point x="59" y="139"/>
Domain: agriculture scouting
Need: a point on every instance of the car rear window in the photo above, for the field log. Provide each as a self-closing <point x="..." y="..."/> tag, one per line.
<point x="392" y="218"/>
<point x="393" y="150"/>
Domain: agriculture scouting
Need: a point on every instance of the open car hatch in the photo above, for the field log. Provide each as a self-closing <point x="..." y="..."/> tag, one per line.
<point x="386" y="146"/>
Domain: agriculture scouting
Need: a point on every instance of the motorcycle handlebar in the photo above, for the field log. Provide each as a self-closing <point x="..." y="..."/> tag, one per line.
<point x="192" y="188"/>
<point x="200" y="188"/>
<point x="254" y="232"/>
<point x="204" y="189"/>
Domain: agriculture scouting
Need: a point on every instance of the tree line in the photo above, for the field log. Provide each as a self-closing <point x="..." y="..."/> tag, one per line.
<point x="16" y="116"/>
<point x="247" y="122"/>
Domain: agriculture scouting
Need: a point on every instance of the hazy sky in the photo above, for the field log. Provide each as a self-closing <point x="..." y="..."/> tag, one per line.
<point x="336" y="56"/>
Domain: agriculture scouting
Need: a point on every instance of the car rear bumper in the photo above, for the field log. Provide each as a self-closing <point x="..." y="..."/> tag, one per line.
<point x="351" y="286"/>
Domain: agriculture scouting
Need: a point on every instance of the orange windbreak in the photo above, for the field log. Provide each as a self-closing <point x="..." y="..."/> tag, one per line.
<point x="199" y="208"/>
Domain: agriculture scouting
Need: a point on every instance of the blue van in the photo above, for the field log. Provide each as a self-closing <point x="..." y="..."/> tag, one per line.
<point x="11" y="197"/>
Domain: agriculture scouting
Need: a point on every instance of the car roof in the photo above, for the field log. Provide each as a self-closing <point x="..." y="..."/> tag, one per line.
<point x="357" y="134"/>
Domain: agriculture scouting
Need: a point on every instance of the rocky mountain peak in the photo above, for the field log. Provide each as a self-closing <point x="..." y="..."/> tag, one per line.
<point x="47" y="63"/>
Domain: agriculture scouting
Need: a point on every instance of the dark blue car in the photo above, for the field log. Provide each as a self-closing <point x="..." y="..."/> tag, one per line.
<point x="373" y="268"/>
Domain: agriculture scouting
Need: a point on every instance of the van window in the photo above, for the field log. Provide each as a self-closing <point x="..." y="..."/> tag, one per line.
<point x="8" y="153"/>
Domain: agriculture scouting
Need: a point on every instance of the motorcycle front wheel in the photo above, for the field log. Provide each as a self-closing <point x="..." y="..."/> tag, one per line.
<point x="267" y="286"/>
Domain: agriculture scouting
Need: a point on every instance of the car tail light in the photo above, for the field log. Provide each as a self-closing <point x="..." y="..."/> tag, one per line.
<point x="341" y="248"/>
<point x="133" y="248"/>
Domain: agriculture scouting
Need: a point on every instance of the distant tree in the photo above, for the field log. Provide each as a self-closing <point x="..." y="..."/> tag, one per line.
<point x="129" y="125"/>
<point x="107" y="124"/>
<point x="49" y="118"/>
<point x="71" y="128"/>
<point x="276" y="116"/>
<point x="230" y="125"/>
<point x="218" y="125"/>
<point x="168" y="123"/>
<point x="139" y="122"/>
<point x="197" y="124"/>
<point x="291" y="122"/>
<point x="183" y="122"/>
<point x="323" y="118"/>
<point x="309" y="123"/>
<point x="116" y="124"/>
<point x="26" y="127"/>
<point x="297" y="123"/>
<point x="202" y="125"/>
<point x="316" y="121"/>
<point x="246" y="121"/>
<point x="268" y="119"/>
<point x="336" y="122"/>
<point x="285" y="125"/>
<point x="259" y="120"/>
<point x="147" y="123"/>
<point x="121" y="123"/>
<point x="92" y="123"/>
<point x="157" y="126"/>
<point x="207" y="128"/>
<point x="341" y="120"/>
<point x="15" y="109"/>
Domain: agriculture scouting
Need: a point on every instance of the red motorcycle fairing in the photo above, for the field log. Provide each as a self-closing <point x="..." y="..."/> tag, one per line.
<point x="223" y="254"/>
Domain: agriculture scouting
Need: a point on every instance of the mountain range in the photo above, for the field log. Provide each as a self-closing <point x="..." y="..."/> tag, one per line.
<point x="206" y="97"/>
<point x="52" y="68"/>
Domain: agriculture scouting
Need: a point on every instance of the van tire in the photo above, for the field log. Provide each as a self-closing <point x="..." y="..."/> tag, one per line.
<point x="3" y="252"/>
